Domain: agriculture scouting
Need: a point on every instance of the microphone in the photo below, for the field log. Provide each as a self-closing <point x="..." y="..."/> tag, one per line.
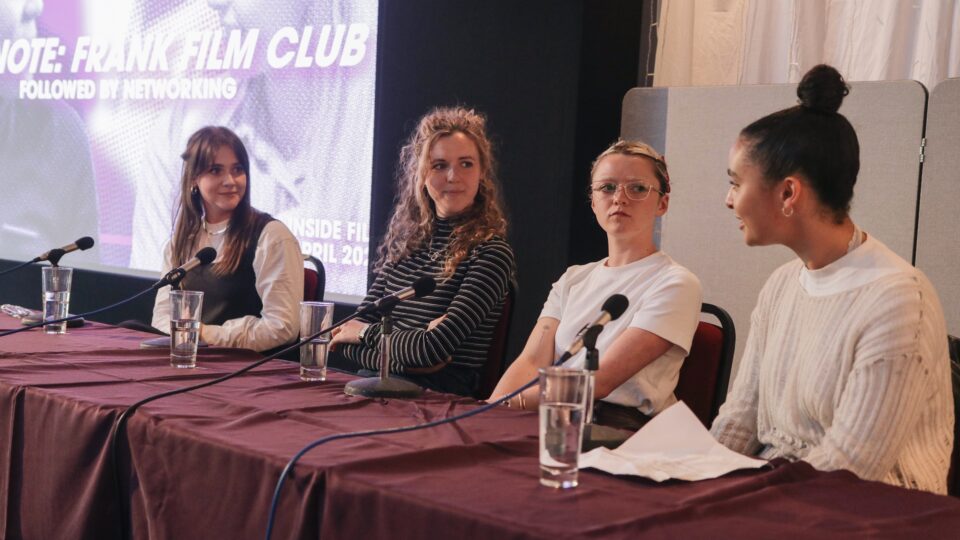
<point x="54" y="254"/>
<point x="383" y="386"/>
<point x="423" y="286"/>
<point x="203" y="257"/>
<point x="611" y="310"/>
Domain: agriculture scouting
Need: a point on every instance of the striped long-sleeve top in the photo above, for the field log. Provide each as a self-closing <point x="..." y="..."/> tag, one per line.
<point x="846" y="367"/>
<point x="471" y="301"/>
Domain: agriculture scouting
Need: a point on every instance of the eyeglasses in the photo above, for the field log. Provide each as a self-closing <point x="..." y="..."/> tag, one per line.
<point x="635" y="191"/>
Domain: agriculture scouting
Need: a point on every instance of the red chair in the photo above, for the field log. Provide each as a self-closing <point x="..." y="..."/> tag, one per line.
<point x="494" y="367"/>
<point x="314" y="279"/>
<point x="706" y="370"/>
<point x="953" y="476"/>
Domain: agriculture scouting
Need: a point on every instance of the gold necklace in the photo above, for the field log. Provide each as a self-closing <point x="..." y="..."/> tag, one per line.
<point x="215" y="233"/>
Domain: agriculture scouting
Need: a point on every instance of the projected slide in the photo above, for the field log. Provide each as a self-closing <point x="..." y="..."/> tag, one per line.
<point x="97" y="100"/>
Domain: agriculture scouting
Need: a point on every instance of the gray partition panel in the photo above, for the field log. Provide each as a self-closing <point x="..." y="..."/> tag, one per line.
<point x="700" y="126"/>
<point x="938" y="232"/>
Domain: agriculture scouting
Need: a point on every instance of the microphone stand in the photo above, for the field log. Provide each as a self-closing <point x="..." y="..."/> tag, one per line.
<point x="53" y="256"/>
<point x="595" y="435"/>
<point x="383" y="386"/>
<point x="119" y="428"/>
<point x="591" y="365"/>
<point x="172" y="278"/>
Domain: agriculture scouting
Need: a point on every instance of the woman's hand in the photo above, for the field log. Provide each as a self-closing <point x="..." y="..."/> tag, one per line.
<point x="437" y="367"/>
<point x="348" y="333"/>
<point x="436" y="322"/>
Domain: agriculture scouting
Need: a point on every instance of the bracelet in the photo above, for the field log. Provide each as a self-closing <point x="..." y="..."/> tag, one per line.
<point x="523" y="405"/>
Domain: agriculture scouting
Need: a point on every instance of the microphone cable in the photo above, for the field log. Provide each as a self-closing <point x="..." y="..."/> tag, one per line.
<point x="613" y="308"/>
<point x="203" y="257"/>
<point x="118" y="428"/>
<point x="422" y="286"/>
<point x="17" y="267"/>
<point x="54" y="255"/>
<point x="74" y="317"/>
<point x="370" y="432"/>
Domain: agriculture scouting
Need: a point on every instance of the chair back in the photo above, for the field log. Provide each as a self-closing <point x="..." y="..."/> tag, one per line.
<point x="494" y="367"/>
<point x="953" y="477"/>
<point x="314" y="279"/>
<point x="705" y="373"/>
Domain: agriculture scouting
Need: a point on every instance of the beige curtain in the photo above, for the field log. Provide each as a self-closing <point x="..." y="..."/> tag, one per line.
<point x="707" y="42"/>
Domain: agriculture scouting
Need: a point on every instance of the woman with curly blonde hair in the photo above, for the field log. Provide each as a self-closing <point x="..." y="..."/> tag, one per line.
<point x="448" y="223"/>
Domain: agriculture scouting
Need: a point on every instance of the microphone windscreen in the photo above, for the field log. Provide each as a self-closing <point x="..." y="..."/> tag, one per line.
<point x="84" y="243"/>
<point x="615" y="306"/>
<point x="424" y="286"/>
<point x="206" y="255"/>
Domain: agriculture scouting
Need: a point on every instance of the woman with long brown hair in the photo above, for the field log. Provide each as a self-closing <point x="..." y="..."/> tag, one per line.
<point x="447" y="223"/>
<point x="252" y="289"/>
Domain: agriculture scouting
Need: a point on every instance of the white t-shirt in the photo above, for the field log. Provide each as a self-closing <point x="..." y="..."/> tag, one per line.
<point x="664" y="299"/>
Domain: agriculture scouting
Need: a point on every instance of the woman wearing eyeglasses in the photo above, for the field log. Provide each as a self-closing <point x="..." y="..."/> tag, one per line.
<point x="253" y="289"/>
<point x="846" y="363"/>
<point x="640" y="352"/>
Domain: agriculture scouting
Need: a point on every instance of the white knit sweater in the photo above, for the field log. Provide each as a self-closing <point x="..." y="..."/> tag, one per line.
<point x="847" y="367"/>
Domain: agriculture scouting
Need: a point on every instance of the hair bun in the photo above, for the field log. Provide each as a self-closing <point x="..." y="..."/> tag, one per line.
<point x="822" y="89"/>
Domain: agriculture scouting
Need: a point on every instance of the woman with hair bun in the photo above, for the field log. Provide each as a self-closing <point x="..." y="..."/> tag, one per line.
<point x="447" y="223"/>
<point x="846" y="365"/>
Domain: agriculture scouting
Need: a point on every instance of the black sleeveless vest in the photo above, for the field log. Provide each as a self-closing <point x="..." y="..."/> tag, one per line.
<point x="230" y="296"/>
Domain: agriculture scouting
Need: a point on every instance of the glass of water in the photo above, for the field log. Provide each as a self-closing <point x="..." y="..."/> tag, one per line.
<point x="314" y="316"/>
<point x="185" y="311"/>
<point x="56" y="297"/>
<point x="562" y="395"/>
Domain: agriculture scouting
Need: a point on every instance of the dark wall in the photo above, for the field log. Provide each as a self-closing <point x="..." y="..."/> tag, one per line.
<point x="549" y="74"/>
<point x="516" y="61"/>
<point x="610" y="59"/>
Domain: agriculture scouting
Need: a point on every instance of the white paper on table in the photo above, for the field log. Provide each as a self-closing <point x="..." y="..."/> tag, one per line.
<point x="674" y="444"/>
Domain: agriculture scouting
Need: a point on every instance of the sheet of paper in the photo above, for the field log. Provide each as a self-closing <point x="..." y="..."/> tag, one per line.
<point x="672" y="445"/>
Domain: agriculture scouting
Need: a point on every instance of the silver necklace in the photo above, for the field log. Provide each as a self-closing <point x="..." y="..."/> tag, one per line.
<point x="437" y="254"/>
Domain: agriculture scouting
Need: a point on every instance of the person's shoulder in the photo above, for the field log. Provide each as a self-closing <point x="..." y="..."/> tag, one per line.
<point x="673" y="271"/>
<point x="785" y="276"/>
<point x="894" y="275"/>
<point x="785" y="273"/>
<point x="496" y="248"/>
<point x="496" y="242"/>
<point x="274" y="230"/>
<point x="578" y="272"/>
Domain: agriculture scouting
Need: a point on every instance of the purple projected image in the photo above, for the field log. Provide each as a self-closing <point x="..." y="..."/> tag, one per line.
<point x="97" y="100"/>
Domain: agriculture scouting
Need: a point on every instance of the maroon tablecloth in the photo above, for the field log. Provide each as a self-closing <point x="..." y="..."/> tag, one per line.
<point x="204" y="465"/>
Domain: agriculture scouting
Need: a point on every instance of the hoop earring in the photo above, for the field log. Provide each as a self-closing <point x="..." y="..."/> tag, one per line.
<point x="784" y="210"/>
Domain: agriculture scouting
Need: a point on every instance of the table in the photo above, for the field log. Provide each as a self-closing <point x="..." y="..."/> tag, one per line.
<point x="204" y="464"/>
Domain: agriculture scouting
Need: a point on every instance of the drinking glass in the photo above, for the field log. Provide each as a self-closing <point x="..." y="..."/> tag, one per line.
<point x="562" y="395"/>
<point x="186" y="308"/>
<point x="56" y="297"/>
<point x="314" y="316"/>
